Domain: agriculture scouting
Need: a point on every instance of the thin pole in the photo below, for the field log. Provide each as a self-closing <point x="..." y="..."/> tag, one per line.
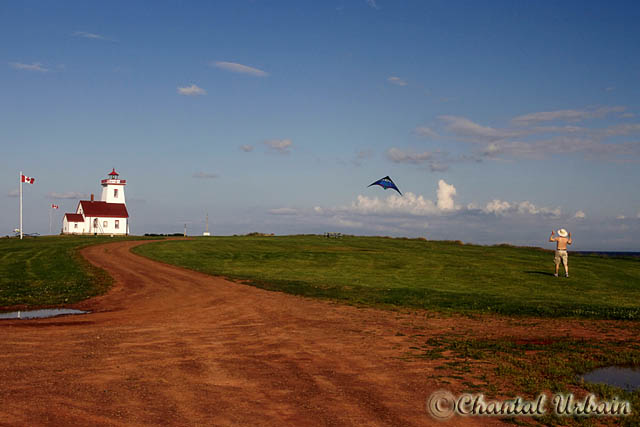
<point x="50" y="213"/>
<point x="20" y="180"/>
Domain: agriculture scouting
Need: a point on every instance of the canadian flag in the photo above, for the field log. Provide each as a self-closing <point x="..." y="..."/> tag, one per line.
<point x="28" y="179"/>
<point x="55" y="206"/>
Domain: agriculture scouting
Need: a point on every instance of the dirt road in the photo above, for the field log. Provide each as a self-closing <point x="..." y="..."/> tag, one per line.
<point x="174" y="347"/>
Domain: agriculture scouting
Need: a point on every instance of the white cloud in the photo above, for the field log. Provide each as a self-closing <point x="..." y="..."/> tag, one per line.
<point x="446" y="193"/>
<point x="409" y="203"/>
<point x="279" y="145"/>
<point x="239" y="68"/>
<point x="87" y="35"/>
<point x="500" y="207"/>
<point x="497" y="207"/>
<point x="566" y="115"/>
<point x="527" y="207"/>
<point x="397" y="81"/>
<point x="425" y="132"/>
<point x="580" y="215"/>
<point x="372" y="4"/>
<point x="67" y="195"/>
<point x="246" y="148"/>
<point x="397" y="155"/>
<point x="620" y="217"/>
<point x="463" y="127"/>
<point x="36" y="66"/>
<point x="206" y="175"/>
<point x="192" y="90"/>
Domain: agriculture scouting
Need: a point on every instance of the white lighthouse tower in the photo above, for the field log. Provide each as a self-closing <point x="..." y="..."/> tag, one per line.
<point x="113" y="188"/>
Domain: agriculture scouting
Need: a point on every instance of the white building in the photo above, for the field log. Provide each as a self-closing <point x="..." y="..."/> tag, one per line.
<point x="107" y="216"/>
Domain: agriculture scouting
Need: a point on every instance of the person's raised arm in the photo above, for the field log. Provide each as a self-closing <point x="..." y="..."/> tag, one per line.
<point x="551" y="239"/>
<point x="569" y="241"/>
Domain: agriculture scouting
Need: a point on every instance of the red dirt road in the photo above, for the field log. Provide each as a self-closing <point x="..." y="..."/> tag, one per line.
<point x="174" y="347"/>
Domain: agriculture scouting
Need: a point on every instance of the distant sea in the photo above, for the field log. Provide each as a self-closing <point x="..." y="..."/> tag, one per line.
<point x="612" y="254"/>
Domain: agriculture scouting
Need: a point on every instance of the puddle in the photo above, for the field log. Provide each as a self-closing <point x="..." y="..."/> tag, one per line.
<point x="626" y="378"/>
<point x="39" y="314"/>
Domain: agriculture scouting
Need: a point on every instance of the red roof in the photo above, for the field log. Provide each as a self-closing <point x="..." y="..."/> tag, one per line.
<point x="71" y="217"/>
<point x="113" y="172"/>
<point x="104" y="209"/>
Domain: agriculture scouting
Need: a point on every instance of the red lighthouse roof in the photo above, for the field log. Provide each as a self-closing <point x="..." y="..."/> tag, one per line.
<point x="104" y="209"/>
<point x="113" y="172"/>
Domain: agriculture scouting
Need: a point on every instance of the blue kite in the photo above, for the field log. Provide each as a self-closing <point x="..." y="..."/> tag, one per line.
<point x="386" y="183"/>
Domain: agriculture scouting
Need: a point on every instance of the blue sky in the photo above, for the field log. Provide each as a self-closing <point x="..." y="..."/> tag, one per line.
<point x="499" y="121"/>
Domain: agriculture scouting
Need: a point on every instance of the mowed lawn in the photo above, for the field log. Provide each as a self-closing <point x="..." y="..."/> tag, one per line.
<point x="48" y="271"/>
<point x="417" y="273"/>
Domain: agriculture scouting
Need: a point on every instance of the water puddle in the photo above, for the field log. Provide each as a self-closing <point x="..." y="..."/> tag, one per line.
<point x="626" y="378"/>
<point x="39" y="314"/>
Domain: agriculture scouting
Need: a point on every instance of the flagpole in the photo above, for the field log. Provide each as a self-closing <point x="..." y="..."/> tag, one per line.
<point x="50" y="213"/>
<point x="20" y="180"/>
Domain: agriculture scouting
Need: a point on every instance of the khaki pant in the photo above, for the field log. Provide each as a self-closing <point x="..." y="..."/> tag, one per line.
<point x="561" y="255"/>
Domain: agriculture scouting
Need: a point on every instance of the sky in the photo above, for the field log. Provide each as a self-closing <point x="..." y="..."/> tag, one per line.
<point x="498" y="121"/>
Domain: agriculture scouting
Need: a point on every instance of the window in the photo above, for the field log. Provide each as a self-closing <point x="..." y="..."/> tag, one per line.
<point x="75" y="225"/>
<point x="95" y="223"/>
<point x="105" y="224"/>
<point x="115" y="193"/>
<point x="117" y="224"/>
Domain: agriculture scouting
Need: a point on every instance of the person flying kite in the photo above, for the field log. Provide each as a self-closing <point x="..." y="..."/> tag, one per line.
<point x="386" y="183"/>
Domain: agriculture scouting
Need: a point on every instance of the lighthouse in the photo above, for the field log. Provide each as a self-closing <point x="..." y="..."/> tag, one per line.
<point x="108" y="216"/>
<point x="113" y="188"/>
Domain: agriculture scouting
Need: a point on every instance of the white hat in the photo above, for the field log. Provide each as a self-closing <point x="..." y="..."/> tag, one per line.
<point x="562" y="232"/>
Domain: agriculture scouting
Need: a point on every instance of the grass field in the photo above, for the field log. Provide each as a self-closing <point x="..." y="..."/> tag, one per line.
<point x="48" y="271"/>
<point x="442" y="276"/>
<point x="417" y="273"/>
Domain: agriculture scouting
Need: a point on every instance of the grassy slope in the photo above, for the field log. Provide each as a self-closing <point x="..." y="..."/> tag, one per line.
<point x="47" y="271"/>
<point x="417" y="273"/>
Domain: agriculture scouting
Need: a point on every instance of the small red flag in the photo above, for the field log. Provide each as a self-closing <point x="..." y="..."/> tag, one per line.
<point x="55" y="206"/>
<point x="28" y="179"/>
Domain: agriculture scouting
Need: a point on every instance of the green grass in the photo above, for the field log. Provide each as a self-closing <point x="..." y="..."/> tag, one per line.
<point x="415" y="273"/>
<point x="48" y="271"/>
<point x="527" y="368"/>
